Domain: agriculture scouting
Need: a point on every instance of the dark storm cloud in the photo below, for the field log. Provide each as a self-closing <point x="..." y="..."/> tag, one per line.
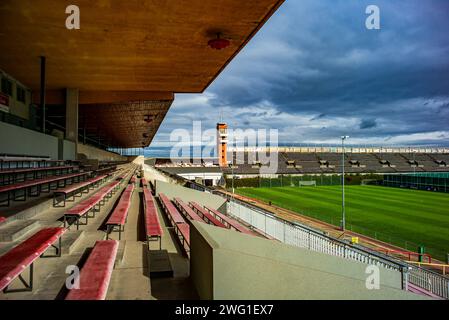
<point x="314" y="72"/>
<point x="368" y="124"/>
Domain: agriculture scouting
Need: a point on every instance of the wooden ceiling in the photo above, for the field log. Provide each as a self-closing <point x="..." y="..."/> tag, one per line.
<point x="133" y="46"/>
<point x="128" y="124"/>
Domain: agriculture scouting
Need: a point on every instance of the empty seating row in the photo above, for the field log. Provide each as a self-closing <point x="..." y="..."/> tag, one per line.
<point x="15" y="261"/>
<point x="11" y="176"/>
<point x="153" y="229"/>
<point x="84" y="207"/>
<point x="144" y="182"/>
<point x="105" y="170"/>
<point x="117" y="220"/>
<point x="183" y="232"/>
<point x="173" y="214"/>
<point x="186" y="211"/>
<point x="206" y="216"/>
<point x="95" y="275"/>
<point x="229" y="222"/>
<point x="123" y="175"/>
<point x="181" y="228"/>
<point x="27" y="186"/>
<point x="21" y="162"/>
<point x="75" y="190"/>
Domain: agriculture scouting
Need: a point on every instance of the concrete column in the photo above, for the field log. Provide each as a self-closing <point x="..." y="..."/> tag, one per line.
<point x="71" y="115"/>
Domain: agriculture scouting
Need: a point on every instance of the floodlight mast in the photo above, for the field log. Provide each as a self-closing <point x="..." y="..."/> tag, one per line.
<point x="343" y="212"/>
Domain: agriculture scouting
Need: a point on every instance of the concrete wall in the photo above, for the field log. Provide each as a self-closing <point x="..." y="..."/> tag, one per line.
<point x="91" y="152"/>
<point x="215" y="177"/>
<point x="226" y="264"/>
<point x="171" y="190"/>
<point x="18" y="140"/>
<point x="68" y="150"/>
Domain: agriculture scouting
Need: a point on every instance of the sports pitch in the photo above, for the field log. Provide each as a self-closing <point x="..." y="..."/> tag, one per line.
<point x="400" y="216"/>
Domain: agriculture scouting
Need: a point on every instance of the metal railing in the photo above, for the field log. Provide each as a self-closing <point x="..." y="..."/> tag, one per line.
<point x="306" y="237"/>
<point x="309" y="238"/>
<point x="429" y="281"/>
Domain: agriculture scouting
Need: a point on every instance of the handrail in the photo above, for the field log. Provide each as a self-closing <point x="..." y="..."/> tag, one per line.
<point x="423" y="278"/>
<point x="437" y="265"/>
<point x="393" y="263"/>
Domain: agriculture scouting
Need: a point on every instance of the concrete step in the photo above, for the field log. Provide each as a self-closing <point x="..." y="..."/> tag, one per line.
<point x="17" y="229"/>
<point x="70" y="240"/>
<point x="120" y="253"/>
<point x="160" y="265"/>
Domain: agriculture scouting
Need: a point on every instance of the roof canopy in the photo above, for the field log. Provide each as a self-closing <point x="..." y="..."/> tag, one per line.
<point x="125" y="50"/>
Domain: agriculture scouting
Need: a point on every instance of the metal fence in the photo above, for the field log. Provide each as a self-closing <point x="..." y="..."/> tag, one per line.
<point x="309" y="238"/>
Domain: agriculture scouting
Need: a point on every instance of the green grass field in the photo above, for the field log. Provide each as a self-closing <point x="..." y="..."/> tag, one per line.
<point x="400" y="216"/>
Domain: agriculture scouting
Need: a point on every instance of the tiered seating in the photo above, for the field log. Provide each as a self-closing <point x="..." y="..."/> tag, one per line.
<point x="84" y="207"/>
<point x="229" y="222"/>
<point x="186" y="211"/>
<point x="133" y="180"/>
<point x="27" y="186"/>
<point x="144" y="182"/>
<point x="28" y="162"/>
<point x="206" y="216"/>
<point x="183" y="233"/>
<point x="117" y="220"/>
<point x="105" y="170"/>
<point x="11" y="176"/>
<point x="76" y="190"/>
<point x="96" y="273"/>
<point x="152" y="224"/>
<point x="13" y="263"/>
<point x="180" y="226"/>
<point x="172" y="213"/>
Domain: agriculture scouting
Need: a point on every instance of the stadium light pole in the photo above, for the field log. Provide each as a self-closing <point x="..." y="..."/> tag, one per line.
<point x="232" y="173"/>
<point x="343" y="213"/>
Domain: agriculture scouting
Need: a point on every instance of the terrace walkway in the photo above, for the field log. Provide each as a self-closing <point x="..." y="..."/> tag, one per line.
<point x="130" y="278"/>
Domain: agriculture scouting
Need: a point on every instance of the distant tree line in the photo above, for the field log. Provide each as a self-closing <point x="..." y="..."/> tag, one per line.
<point x="295" y="181"/>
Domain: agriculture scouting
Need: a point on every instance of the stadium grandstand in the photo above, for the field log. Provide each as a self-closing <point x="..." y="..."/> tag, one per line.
<point x="357" y="160"/>
<point x="80" y="222"/>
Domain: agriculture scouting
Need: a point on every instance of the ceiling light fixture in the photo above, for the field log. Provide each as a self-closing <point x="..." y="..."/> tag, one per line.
<point x="218" y="43"/>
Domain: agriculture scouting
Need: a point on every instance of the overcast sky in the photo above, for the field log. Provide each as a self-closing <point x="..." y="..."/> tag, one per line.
<point x="314" y="72"/>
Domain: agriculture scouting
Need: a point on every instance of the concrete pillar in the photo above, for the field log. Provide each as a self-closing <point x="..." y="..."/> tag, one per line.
<point x="71" y="115"/>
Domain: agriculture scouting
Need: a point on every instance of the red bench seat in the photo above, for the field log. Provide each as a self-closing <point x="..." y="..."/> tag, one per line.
<point x="187" y="211"/>
<point x="14" y="262"/>
<point x="38" y="183"/>
<point x="152" y="224"/>
<point x="231" y="222"/>
<point x="82" y="208"/>
<point x="183" y="232"/>
<point x="31" y="183"/>
<point x="206" y="216"/>
<point x="96" y="273"/>
<point x="144" y="182"/>
<point x="24" y="170"/>
<point x="173" y="213"/>
<point x="75" y="189"/>
<point x="120" y="213"/>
